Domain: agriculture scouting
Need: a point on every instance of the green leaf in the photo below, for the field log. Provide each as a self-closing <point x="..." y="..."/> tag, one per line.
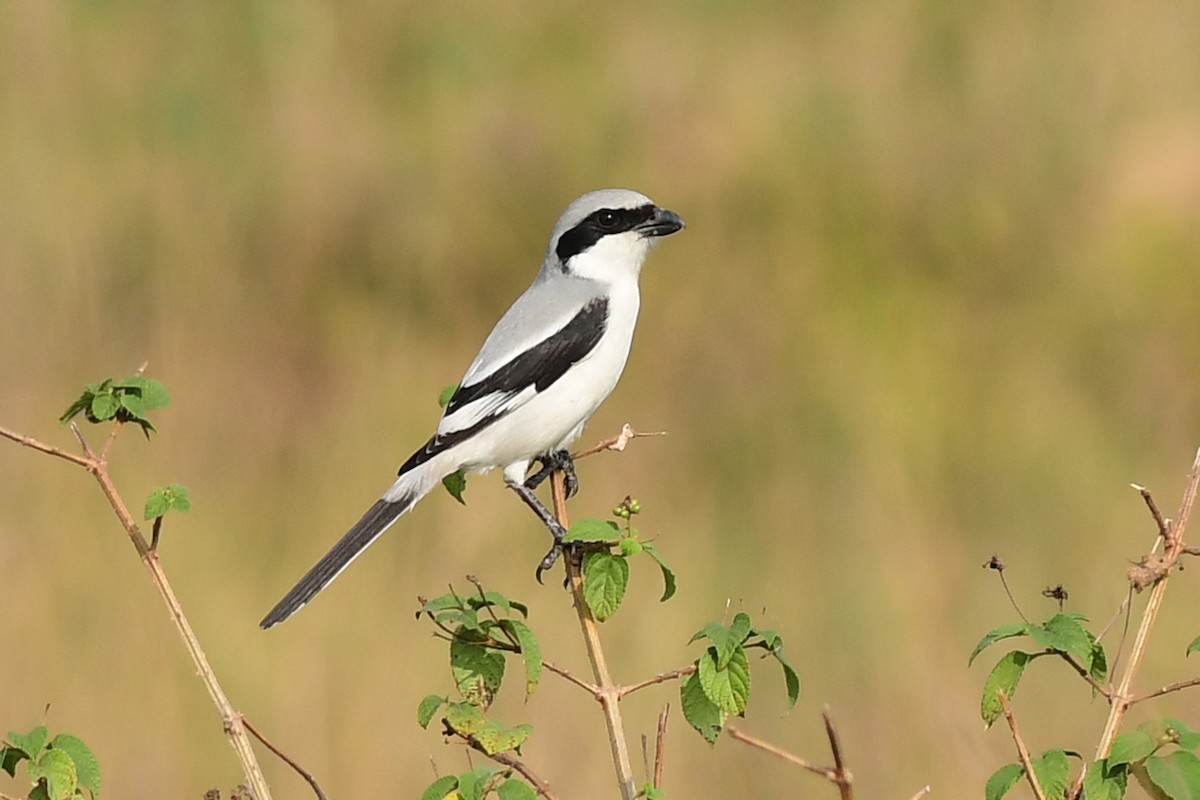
<point x="729" y="687"/>
<point x="740" y="628"/>
<point x="1052" y="771"/>
<point x="1102" y="782"/>
<point x="531" y="652"/>
<point x="1002" y="780"/>
<point x="439" y="789"/>
<point x="993" y="636"/>
<point x="700" y="712"/>
<point x="428" y="707"/>
<point x="446" y="395"/>
<point x="464" y="718"/>
<point x="441" y="603"/>
<point x="605" y="577"/>
<point x="1193" y="646"/>
<point x="1098" y="668"/>
<point x="1004" y="677"/>
<point x="1130" y="747"/>
<point x="593" y="530"/>
<point x="103" y="407"/>
<point x="496" y="739"/>
<point x="30" y="743"/>
<point x="471" y="784"/>
<point x="58" y="770"/>
<point x="456" y="485"/>
<point x="87" y="768"/>
<point x="166" y="498"/>
<point x="478" y="671"/>
<point x="667" y="573"/>
<point x="513" y="789"/>
<point x="1176" y="775"/>
<point x="1187" y="738"/>
<point x="1063" y="632"/>
<point x="790" y="678"/>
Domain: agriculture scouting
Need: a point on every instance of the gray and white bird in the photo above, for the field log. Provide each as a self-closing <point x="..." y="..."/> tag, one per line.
<point x="545" y="368"/>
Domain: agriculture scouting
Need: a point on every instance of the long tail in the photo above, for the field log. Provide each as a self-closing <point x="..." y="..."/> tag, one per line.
<point x="403" y="495"/>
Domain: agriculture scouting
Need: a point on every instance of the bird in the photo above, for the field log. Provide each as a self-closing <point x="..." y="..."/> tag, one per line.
<point x="544" y="369"/>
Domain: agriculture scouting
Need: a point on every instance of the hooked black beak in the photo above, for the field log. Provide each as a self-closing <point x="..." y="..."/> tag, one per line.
<point x="663" y="223"/>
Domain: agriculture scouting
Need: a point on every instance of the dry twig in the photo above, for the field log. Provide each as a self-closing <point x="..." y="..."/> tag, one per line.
<point x="1022" y="750"/>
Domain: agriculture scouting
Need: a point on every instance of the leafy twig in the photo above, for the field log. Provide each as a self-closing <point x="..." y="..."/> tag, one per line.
<point x="232" y="719"/>
<point x="509" y="760"/>
<point x="607" y="693"/>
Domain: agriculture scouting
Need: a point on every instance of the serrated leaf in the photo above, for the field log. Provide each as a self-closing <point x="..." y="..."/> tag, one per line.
<point x="1002" y="780"/>
<point x="428" y="707"/>
<point x="993" y="636"/>
<point x="132" y="405"/>
<point x="629" y="546"/>
<point x="494" y="738"/>
<point x="740" y="628"/>
<point x="1102" y="782"/>
<point x="477" y="670"/>
<point x="1063" y="632"/>
<point x="58" y="770"/>
<point x="30" y="743"/>
<point x="1130" y="747"/>
<point x="667" y="573"/>
<point x="464" y="718"/>
<point x="605" y="578"/>
<point x="1176" y="775"/>
<point x="729" y="687"/>
<point x="446" y="395"/>
<point x="471" y="784"/>
<point x="102" y="407"/>
<point x="440" y="603"/>
<point x="1052" y="771"/>
<point x="489" y="598"/>
<point x="1188" y="738"/>
<point x="531" y="652"/>
<point x="456" y="484"/>
<point x="441" y="788"/>
<point x="593" y="530"/>
<point x="513" y="789"/>
<point x="154" y="394"/>
<point x="87" y="768"/>
<point x="1004" y="677"/>
<point x="700" y="712"/>
<point x="1098" y="668"/>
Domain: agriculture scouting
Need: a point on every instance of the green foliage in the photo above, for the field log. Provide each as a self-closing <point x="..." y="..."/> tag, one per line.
<point x="446" y="395"/>
<point x="1193" y="646"/>
<point x="605" y="578"/>
<point x="167" y="498"/>
<point x="477" y="784"/>
<point x="456" y="484"/>
<point x="126" y="400"/>
<point x="606" y="574"/>
<point x="63" y="767"/>
<point x="1062" y="634"/>
<point x="1002" y="780"/>
<point x="720" y="686"/>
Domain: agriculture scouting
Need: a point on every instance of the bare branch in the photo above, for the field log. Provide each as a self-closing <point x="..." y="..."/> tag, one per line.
<point x="1172" y="687"/>
<point x="1022" y="751"/>
<point x="843" y="779"/>
<point x="921" y="793"/>
<point x="590" y="688"/>
<point x="509" y="760"/>
<point x="828" y="773"/>
<point x="662" y="677"/>
<point x="617" y="442"/>
<point x="29" y="441"/>
<point x="316" y="787"/>
<point x="659" y="743"/>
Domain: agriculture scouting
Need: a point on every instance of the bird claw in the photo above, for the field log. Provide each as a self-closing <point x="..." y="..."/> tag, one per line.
<point x="557" y="460"/>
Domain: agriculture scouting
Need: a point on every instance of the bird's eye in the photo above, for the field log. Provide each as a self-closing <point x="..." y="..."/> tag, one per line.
<point x="607" y="220"/>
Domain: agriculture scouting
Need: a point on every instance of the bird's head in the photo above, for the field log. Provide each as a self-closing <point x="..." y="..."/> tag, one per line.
<point x="605" y="235"/>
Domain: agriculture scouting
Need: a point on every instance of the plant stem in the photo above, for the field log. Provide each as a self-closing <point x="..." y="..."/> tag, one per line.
<point x="608" y="693"/>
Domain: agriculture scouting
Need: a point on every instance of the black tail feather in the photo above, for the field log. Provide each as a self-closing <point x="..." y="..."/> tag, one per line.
<point x="365" y="531"/>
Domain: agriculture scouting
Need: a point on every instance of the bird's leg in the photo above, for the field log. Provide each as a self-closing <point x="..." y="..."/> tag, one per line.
<point x="560" y="460"/>
<point x="556" y="528"/>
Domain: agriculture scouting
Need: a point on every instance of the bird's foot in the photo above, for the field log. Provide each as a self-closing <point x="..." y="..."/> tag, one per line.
<point x="560" y="460"/>
<point x="574" y="550"/>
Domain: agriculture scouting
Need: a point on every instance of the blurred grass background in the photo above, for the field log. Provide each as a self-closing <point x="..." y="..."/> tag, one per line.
<point x="937" y="299"/>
